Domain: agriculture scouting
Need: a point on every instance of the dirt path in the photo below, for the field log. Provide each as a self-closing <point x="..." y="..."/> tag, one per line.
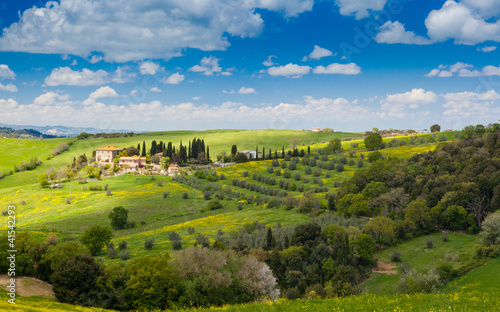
<point x="28" y="286"/>
<point x="384" y="268"/>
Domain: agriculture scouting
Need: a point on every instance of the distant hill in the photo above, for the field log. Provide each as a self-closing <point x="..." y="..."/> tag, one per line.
<point x="59" y="131"/>
<point x="23" y="134"/>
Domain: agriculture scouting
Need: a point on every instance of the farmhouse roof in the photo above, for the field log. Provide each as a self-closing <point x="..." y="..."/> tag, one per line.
<point x="133" y="158"/>
<point x="159" y="154"/>
<point x="109" y="148"/>
<point x="318" y="129"/>
<point x="173" y="167"/>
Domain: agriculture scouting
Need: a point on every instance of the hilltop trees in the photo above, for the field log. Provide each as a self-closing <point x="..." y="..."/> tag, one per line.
<point x="96" y="237"/>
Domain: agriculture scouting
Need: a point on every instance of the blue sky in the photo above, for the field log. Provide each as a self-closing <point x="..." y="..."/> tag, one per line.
<point x="195" y="64"/>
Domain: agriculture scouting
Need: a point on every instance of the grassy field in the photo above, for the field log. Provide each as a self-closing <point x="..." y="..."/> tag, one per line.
<point x="45" y="211"/>
<point x="420" y="258"/>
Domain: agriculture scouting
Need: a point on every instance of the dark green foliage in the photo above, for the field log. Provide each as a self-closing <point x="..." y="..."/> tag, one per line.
<point x="202" y="240"/>
<point x="118" y="216"/>
<point x="435" y="128"/>
<point x="373" y="141"/>
<point x="74" y="279"/>
<point x="122" y="245"/>
<point x="214" y="204"/>
<point x="185" y="195"/>
<point x="374" y="156"/>
<point x="96" y="237"/>
<point x="149" y="243"/>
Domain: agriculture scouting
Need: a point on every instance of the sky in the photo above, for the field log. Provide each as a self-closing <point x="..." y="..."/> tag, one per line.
<point x="153" y="65"/>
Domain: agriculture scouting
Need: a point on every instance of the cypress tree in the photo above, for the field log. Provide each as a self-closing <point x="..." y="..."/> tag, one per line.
<point x="264" y="153"/>
<point x="139" y="148"/>
<point x="257" y="152"/>
<point x="234" y="149"/>
<point x="208" y="153"/>
<point x="189" y="149"/>
<point x="270" y="154"/>
<point x="270" y="239"/>
<point x="275" y="154"/>
<point x="283" y="152"/>
<point x="153" y="148"/>
<point x="308" y="150"/>
<point x="169" y="150"/>
<point x="143" y="152"/>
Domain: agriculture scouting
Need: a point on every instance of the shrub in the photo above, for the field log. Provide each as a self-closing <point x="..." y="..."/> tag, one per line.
<point x="328" y="175"/>
<point x="84" y="188"/>
<point x="51" y="239"/>
<point x="112" y="252"/>
<point x="308" y="170"/>
<point x="396" y="256"/>
<point x="96" y="188"/>
<point x="245" y="174"/>
<point x="287" y="174"/>
<point x="293" y="187"/>
<point x="275" y="163"/>
<point x="429" y="242"/>
<point x="214" y="204"/>
<point x="191" y="230"/>
<point x="149" y="243"/>
<point x="300" y="188"/>
<point x="240" y="206"/>
<point x="444" y="237"/>
<point x="351" y="162"/>
<point x="108" y="193"/>
<point x="372" y="157"/>
<point x="185" y="195"/>
<point x="165" y="194"/>
<point x="278" y="172"/>
<point x="317" y="172"/>
<point x="122" y="245"/>
<point x="339" y="168"/>
<point x="283" y="164"/>
<point x="95" y="238"/>
<point x="222" y="176"/>
<point x="354" y="145"/>
<point x="118" y="217"/>
<point x="360" y="163"/>
<point x="446" y="271"/>
<point x="270" y="169"/>
<point x="412" y="282"/>
<point x="68" y="200"/>
<point x="159" y="183"/>
<point x="297" y="177"/>
<point x="202" y="240"/>
<point x="5" y="212"/>
<point x="292" y="166"/>
<point x="207" y="195"/>
<point x="124" y="255"/>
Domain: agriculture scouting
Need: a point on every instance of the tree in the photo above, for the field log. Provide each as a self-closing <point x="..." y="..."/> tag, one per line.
<point x="382" y="229"/>
<point x="363" y="248"/>
<point x="335" y="145"/>
<point x="327" y="130"/>
<point x="419" y="216"/>
<point x="143" y="151"/>
<point x="435" y="128"/>
<point x="234" y="149"/>
<point x="240" y="157"/>
<point x="491" y="230"/>
<point x="152" y="285"/>
<point x="74" y="279"/>
<point x="96" y="237"/>
<point x="43" y="180"/>
<point x="118" y="216"/>
<point x="270" y="242"/>
<point x="373" y="141"/>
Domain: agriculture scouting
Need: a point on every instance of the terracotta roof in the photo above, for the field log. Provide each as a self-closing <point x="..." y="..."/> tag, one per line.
<point x="109" y="148"/>
<point x="159" y="154"/>
<point x="173" y="167"/>
<point x="133" y="158"/>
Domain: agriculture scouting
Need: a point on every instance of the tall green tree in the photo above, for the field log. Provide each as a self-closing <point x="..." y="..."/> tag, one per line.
<point x="234" y="149"/>
<point x="118" y="216"/>
<point x="373" y="141"/>
<point x="143" y="151"/>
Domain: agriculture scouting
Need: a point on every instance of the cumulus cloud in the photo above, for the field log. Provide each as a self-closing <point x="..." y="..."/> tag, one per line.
<point x="50" y="98"/>
<point x="6" y="72"/>
<point x="174" y="79"/>
<point x="488" y="8"/>
<point x="95" y="59"/>
<point x="460" y="69"/>
<point x="244" y="90"/>
<point x="336" y="68"/>
<point x="269" y="62"/>
<point x="102" y="92"/>
<point x="10" y="87"/>
<point x="395" y="32"/>
<point x="69" y="77"/>
<point x="208" y="66"/>
<point x="360" y="9"/>
<point x="289" y="70"/>
<point x="487" y="49"/>
<point x="460" y="22"/>
<point x="149" y="68"/>
<point x="471" y="104"/>
<point x="155" y="89"/>
<point x="317" y="53"/>
<point x="8" y="104"/>
<point x="394" y="105"/>
<point x="129" y="30"/>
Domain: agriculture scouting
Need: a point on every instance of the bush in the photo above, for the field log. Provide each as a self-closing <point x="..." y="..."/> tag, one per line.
<point x="185" y="195"/>
<point x="124" y="255"/>
<point x="95" y="238"/>
<point x="68" y="200"/>
<point x="360" y="163"/>
<point x="122" y="245"/>
<point x="275" y="163"/>
<point x="444" y="237"/>
<point x="165" y="194"/>
<point x="292" y="166"/>
<point x="112" y="252"/>
<point x="191" y="230"/>
<point x="339" y="168"/>
<point x="317" y="172"/>
<point x="108" y="193"/>
<point x="159" y="183"/>
<point x="429" y="242"/>
<point x="328" y="175"/>
<point x="207" y="195"/>
<point x="297" y="177"/>
<point x="222" y="176"/>
<point x="277" y="172"/>
<point x="287" y="174"/>
<point x="446" y="271"/>
<point x="149" y="243"/>
<point x="351" y="162"/>
<point x="245" y="174"/>
<point x="283" y="164"/>
<point x="396" y="256"/>
<point x="214" y="204"/>
<point x="293" y="187"/>
<point x="372" y="157"/>
<point x="412" y="282"/>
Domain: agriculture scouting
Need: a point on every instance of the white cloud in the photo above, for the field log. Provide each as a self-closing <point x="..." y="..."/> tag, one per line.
<point x="130" y="30"/>
<point x="487" y="49"/>
<point x="463" y="70"/>
<point x="102" y="92"/>
<point x="50" y="98"/>
<point x="318" y="53"/>
<point x="74" y="63"/>
<point x="460" y="22"/>
<point x="207" y="66"/>
<point x="96" y="59"/>
<point x="488" y="8"/>
<point x="8" y="104"/>
<point x="269" y="62"/>
<point x="336" y="68"/>
<point x="196" y="98"/>
<point x="394" y="32"/>
<point x="122" y="76"/>
<point x="289" y="70"/>
<point x="244" y="90"/>
<point x="155" y="89"/>
<point x="394" y="105"/>
<point x="174" y="79"/>
<point x="10" y="87"/>
<point x="360" y="8"/>
<point x="69" y="77"/>
<point x="149" y="68"/>
<point x="471" y="105"/>
<point x="6" y="72"/>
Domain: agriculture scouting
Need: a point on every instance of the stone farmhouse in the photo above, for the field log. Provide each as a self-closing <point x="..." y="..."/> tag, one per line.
<point x="173" y="169"/>
<point x="132" y="163"/>
<point x="247" y="153"/>
<point x="106" y="154"/>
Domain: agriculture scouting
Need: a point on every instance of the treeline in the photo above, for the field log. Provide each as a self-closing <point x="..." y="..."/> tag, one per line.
<point x="86" y="135"/>
<point x="24" y="133"/>
<point x="452" y="188"/>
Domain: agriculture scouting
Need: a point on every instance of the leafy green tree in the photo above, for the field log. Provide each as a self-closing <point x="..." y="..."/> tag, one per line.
<point x="491" y="230"/>
<point x="43" y="180"/>
<point x="74" y="279"/>
<point x="96" y="237"/>
<point x="435" y="128"/>
<point x="118" y="216"/>
<point x="234" y="150"/>
<point x="374" y="156"/>
<point x="335" y="145"/>
<point x="49" y="260"/>
<point x="363" y="248"/>
<point x="419" y="216"/>
<point x="152" y="285"/>
<point x="373" y="141"/>
<point x="382" y="229"/>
